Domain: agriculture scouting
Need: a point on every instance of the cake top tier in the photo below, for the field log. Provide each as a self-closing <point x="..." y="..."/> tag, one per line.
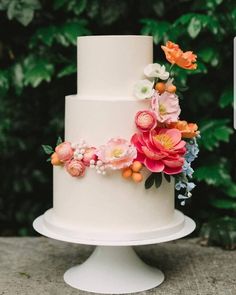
<point x="111" y="65"/>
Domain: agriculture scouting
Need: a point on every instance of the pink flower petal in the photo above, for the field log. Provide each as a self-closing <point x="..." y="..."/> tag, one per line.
<point x="171" y="171"/>
<point x="154" y="166"/>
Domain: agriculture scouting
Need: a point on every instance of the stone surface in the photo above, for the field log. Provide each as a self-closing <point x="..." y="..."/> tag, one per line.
<point x="35" y="266"/>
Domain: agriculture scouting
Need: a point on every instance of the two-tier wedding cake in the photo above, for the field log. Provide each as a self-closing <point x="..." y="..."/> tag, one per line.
<point x="125" y="148"/>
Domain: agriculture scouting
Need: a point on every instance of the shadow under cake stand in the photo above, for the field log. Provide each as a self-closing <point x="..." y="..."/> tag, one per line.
<point x="114" y="266"/>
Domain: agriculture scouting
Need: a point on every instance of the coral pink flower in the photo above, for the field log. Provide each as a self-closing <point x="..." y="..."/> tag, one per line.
<point x="90" y="154"/>
<point x="160" y="150"/>
<point x="166" y="107"/>
<point x="175" y="55"/>
<point x="118" y="153"/>
<point x="75" y="168"/>
<point x="64" y="151"/>
<point x="145" y="120"/>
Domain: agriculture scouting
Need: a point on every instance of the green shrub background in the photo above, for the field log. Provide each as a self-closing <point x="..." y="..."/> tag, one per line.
<point x="38" y="68"/>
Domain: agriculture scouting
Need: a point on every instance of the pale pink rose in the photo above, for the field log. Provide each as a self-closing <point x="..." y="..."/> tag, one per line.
<point x="118" y="153"/>
<point x="90" y="154"/>
<point x="166" y="107"/>
<point x="75" y="168"/>
<point x="64" y="151"/>
<point x="145" y="120"/>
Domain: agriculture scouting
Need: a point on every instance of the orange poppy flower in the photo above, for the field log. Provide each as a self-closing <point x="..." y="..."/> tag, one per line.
<point x="175" y="55"/>
<point x="188" y="130"/>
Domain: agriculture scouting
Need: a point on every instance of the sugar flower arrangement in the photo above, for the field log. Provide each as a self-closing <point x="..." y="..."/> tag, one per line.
<point x="163" y="144"/>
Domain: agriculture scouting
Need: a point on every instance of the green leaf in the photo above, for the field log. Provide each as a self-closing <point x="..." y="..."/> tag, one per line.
<point x="209" y="55"/>
<point x="59" y="141"/>
<point x="18" y="78"/>
<point x="223" y="203"/>
<point x="68" y="70"/>
<point x="45" y="35"/>
<point x="59" y="3"/>
<point x="230" y="190"/>
<point x="65" y="34"/>
<point x="167" y="177"/>
<point x="150" y="181"/>
<point x="215" y="173"/>
<point x="4" y="82"/>
<point x="77" y="6"/>
<point x="47" y="149"/>
<point x="226" y="98"/>
<point x="23" y="10"/>
<point x="220" y="231"/>
<point x="157" y="29"/>
<point x="37" y="70"/>
<point x="158" y="179"/>
<point x="68" y="32"/>
<point x="194" y="27"/>
<point x="196" y="22"/>
<point x="214" y="131"/>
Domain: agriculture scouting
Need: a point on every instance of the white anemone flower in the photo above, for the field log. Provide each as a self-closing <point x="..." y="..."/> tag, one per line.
<point x="143" y="89"/>
<point x="156" y="71"/>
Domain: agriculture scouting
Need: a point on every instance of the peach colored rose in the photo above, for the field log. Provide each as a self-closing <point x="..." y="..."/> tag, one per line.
<point x="175" y="55"/>
<point x="89" y="155"/>
<point x="64" y="151"/>
<point x="75" y="168"/>
<point x="188" y="130"/>
<point x="145" y="120"/>
<point x="118" y="153"/>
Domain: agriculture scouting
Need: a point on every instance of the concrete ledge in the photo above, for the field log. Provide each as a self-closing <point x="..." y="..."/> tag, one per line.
<point x="35" y="266"/>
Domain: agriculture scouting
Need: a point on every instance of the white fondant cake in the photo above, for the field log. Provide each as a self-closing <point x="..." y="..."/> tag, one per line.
<point x="108" y="68"/>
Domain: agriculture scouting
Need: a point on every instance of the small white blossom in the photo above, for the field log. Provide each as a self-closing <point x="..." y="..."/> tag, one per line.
<point x="143" y="89"/>
<point x="156" y="71"/>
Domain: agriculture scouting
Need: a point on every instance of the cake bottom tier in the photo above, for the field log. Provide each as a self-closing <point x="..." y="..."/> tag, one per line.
<point x="56" y="226"/>
<point x="110" y="204"/>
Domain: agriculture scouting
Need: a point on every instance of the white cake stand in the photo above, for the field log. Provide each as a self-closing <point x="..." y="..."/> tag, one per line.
<point x="113" y="267"/>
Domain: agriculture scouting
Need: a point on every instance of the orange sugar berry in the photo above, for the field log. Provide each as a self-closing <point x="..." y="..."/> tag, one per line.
<point x="137" y="177"/>
<point x="160" y="87"/>
<point x="136" y="166"/>
<point x="171" y="88"/>
<point x="54" y="159"/>
<point x="127" y="172"/>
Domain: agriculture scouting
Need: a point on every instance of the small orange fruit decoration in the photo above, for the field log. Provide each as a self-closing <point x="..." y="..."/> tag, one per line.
<point x="136" y="166"/>
<point x="137" y="177"/>
<point x="171" y="88"/>
<point x="133" y="171"/>
<point x="127" y="172"/>
<point x="160" y="87"/>
<point x="55" y="160"/>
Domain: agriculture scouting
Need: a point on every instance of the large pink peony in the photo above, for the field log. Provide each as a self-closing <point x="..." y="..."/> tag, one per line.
<point x="160" y="150"/>
<point x="166" y="107"/>
<point x="118" y="153"/>
<point x="64" y="151"/>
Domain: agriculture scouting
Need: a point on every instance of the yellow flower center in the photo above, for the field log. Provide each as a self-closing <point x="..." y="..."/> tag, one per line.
<point x="117" y="152"/>
<point x="164" y="140"/>
<point x="162" y="109"/>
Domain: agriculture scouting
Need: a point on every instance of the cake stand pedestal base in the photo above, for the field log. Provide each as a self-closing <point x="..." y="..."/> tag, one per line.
<point x="113" y="267"/>
<point x="116" y="270"/>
